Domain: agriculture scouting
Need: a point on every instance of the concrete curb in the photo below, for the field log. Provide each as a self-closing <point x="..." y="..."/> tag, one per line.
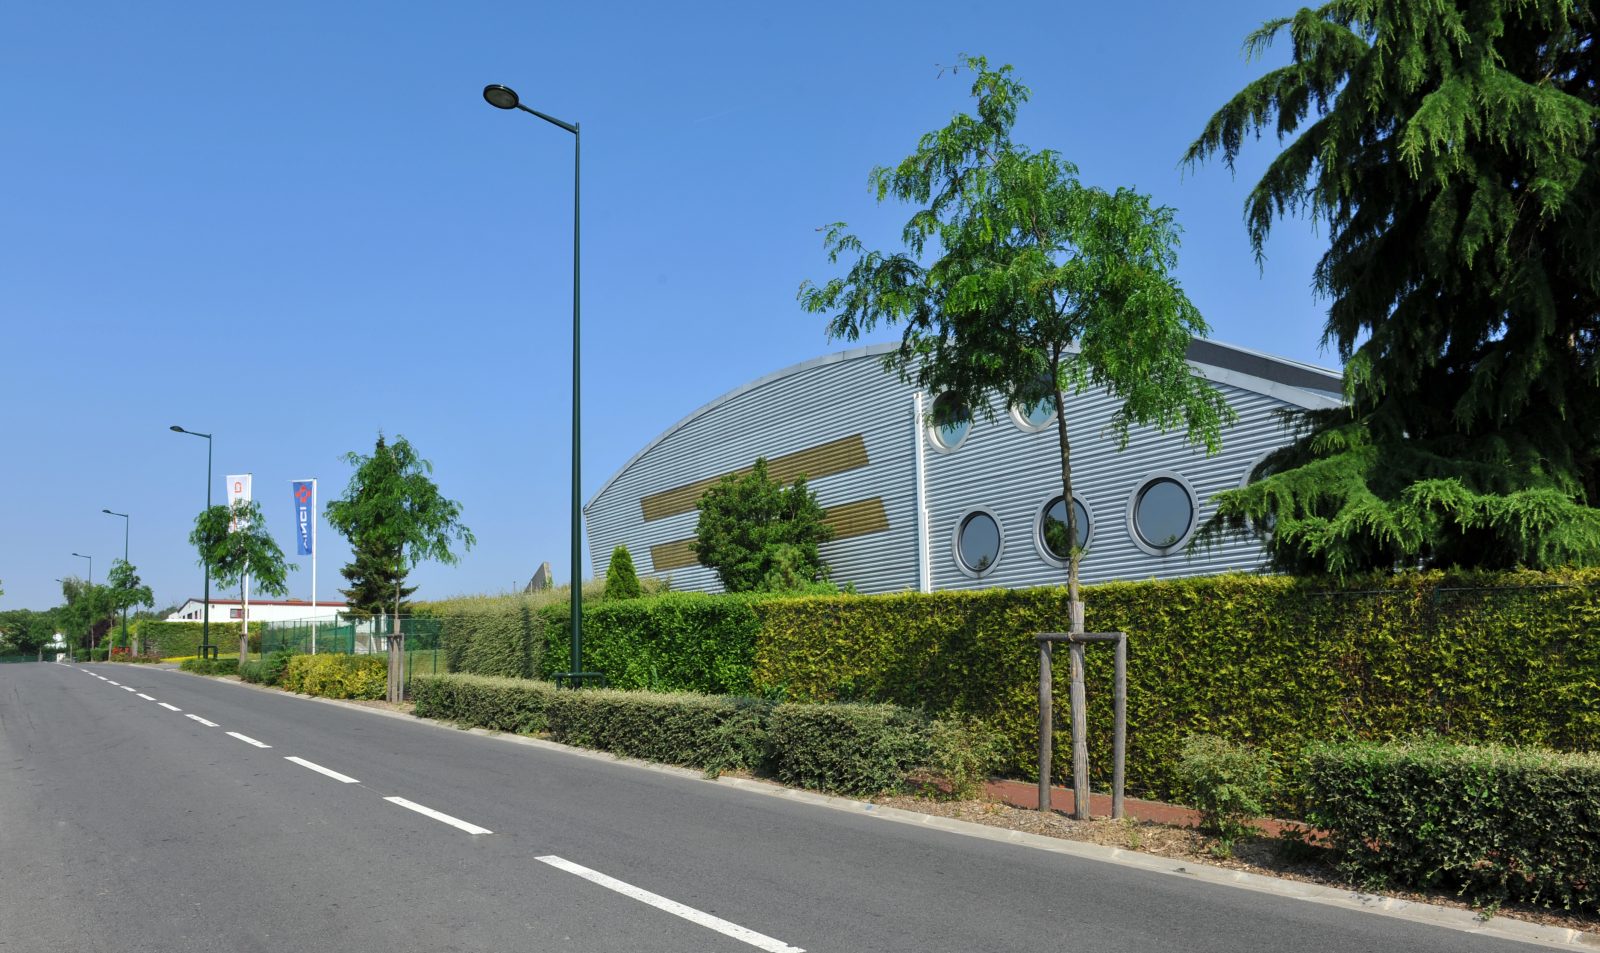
<point x="1450" y="918"/>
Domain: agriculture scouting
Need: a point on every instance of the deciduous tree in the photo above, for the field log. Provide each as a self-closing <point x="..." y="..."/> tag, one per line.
<point x="235" y="543"/>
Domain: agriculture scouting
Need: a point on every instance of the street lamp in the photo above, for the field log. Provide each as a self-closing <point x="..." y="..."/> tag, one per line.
<point x="503" y="97"/>
<point x="91" y="586"/>
<point x="127" y="521"/>
<point x="205" y="609"/>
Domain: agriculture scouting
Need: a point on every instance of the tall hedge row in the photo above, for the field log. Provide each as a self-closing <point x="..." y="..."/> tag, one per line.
<point x="678" y="641"/>
<point x="182" y="639"/>
<point x="1269" y="661"/>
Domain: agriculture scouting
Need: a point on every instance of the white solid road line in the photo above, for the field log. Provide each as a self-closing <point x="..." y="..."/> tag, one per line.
<point x="208" y="724"/>
<point x="169" y="707"/>
<point x="146" y="697"/>
<point x="345" y="778"/>
<point x="758" y="940"/>
<point x="248" y="740"/>
<point x="455" y="822"/>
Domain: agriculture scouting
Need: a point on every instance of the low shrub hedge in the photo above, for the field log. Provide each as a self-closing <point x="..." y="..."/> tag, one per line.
<point x="1490" y="822"/>
<point x="844" y="749"/>
<point x="266" y="671"/>
<point x="337" y="676"/>
<point x="203" y="666"/>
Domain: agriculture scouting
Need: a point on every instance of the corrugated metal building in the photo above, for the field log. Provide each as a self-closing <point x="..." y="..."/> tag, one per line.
<point x="968" y="504"/>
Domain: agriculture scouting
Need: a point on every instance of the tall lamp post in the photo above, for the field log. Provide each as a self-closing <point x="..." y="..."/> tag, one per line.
<point x="205" y="609"/>
<point x="503" y="97"/>
<point x="127" y="521"/>
<point x="69" y="644"/>
<point x="91" y="586"/>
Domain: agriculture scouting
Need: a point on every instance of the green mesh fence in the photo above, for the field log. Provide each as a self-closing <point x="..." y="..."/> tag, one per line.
<point x="424" y="653"/>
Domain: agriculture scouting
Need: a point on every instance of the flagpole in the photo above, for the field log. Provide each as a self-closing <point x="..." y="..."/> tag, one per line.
<point x="313" y="566"/>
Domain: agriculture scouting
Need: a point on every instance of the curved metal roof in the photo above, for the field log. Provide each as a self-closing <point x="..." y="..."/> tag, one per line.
<point x="1293" y="382"/>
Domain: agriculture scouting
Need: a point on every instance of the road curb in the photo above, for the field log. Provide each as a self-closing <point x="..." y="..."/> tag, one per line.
<point x="1463" y="921"/>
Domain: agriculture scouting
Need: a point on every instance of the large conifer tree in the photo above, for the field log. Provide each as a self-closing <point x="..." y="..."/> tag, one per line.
<point x="1450" y="149"/>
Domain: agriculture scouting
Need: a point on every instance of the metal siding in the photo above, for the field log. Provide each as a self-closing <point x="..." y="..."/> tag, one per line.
<point x="998" y="467"/>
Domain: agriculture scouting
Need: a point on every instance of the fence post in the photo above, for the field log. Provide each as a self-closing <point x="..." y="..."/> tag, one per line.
<point x="397" y="662"/>
<point x="1046" y="724"/>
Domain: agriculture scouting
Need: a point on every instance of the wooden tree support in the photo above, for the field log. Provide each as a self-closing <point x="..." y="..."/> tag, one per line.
<point x="1080" y="734"/>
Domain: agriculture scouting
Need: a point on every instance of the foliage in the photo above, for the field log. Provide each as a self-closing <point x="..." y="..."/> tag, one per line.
<point x="847" y="749"/>
<point x="759" y="535"/>
<point x="234" y="543"/>
<point x="1267" y="661"/>
<point x="678" y="641"/>
<point x="218" y="666"/>
<point x="1451" y="151"/>
<point x="376" y="574"/>
<point x="268" y="670"/>
<point x="622" y="582"/>
<point x="1229" y="783"/>
<point x="1493" y="823"/>
<point x="337" y="676"/>
<point x="182" y="639"/>
<point x="127" y="590"/>
<point x="1042" y="285"/>
<point x="395" y="518"/>
<point x="963" y="754"/>
<point x="26" y="630"/>
<point x="85" y="617"/>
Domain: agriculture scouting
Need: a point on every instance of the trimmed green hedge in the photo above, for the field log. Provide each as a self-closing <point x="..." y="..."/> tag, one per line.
<point x="337" y="676"/>
<point x="267" y="671"/>
<point x="204" y="666"/>
<point x="677" y="641"/>
<point x="1493" y="823"/>
<point x="182" y="639"/>
<point x="495" y="637"/>
<point x="845" y="749"/>
<point x="713" y="733"/>
<point x="1268" y="661"/>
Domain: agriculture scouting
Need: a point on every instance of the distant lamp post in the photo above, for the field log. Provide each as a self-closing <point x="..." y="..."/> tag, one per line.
<point x="503" y="97"/>
<point x="205" y="609"/>
<point x="127" y="521"/>
<point x="91" y="586"/>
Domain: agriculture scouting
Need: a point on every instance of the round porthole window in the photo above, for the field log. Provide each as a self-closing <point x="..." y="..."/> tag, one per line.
<point x="977" y="543"/>
<point x="1163" y="514"/>
<point x="1051" y="530"/>
<point x="952" y="421"/>
<point x="1037" y="414"/>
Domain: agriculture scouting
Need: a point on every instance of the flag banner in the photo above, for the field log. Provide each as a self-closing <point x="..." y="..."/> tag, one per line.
<point x="305" y="508"/>
<point x="238" y="491"/>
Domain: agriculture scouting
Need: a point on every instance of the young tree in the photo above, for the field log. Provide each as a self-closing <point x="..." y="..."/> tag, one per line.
<point x="238" y="549"/>
<point x="759" y="535"/>
<point x="1041" y="287"/>
<point x="84" y="616"/>
<point x="622" y="582"/>
<point x="127" y="590"/>
<point x="1452" y="152"/>
<point x="394" y="517"/>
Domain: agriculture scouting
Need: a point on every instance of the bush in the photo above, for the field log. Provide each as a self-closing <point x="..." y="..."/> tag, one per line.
<point x="1230" y="784"/>
<point x="1263" y="660"/>
<point x="678" y="642"/>
<point x="168" y="639"/>
<point x="337" y="676"/>
<point x="963" y="755"/>
<point x="202" y="666"/>
<point x="847" y="749"/>
<point x="712" y="733"/>
<point x="502" y="636"/>
<point x="267" y="671"/>
<point x="1493" y="823"/>
<point x="622" y="581"/>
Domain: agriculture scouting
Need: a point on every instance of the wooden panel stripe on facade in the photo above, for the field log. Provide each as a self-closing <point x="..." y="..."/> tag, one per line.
<point x="838" y="456"/>
<point x="847" y="519"/>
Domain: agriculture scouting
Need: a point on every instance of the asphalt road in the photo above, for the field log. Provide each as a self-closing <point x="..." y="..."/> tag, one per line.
<point x="128" y="826"/>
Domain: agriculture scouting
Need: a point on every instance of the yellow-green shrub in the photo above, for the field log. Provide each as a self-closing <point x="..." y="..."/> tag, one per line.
<point x="337" y="676"/>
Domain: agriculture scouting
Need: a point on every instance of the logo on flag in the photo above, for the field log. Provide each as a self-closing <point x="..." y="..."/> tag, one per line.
<point x="305" y="501"/>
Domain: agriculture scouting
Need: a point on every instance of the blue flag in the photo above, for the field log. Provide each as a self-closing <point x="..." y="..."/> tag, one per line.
<point x="305" y="502"/>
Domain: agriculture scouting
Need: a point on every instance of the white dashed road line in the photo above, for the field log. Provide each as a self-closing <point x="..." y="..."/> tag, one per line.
<point x="758" y="940"/>
<point x="455" y="822"/>
<point x="127" y="689"/>
<point x="110" y="682"/>
<point x="248" y="740"/>
<point x="208" y="724"/>
<point x="146" y="697"/>
<point x="169" y="707"/>
<point x="344" y="778"/>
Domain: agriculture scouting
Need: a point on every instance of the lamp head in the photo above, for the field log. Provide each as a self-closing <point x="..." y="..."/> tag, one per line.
<point x="500" y="97"/>
<point x="176" y="429"/>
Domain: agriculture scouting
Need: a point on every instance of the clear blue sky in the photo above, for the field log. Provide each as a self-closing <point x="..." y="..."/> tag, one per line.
<point x="296" y="224"/>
